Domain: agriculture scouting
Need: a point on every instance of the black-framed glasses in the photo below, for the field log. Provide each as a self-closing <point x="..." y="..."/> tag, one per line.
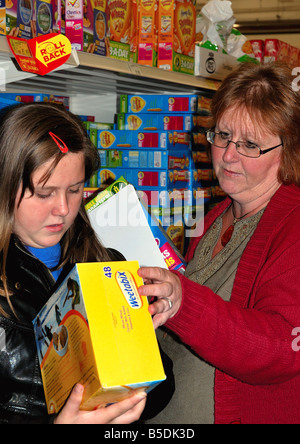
<point x="247" y="149"/>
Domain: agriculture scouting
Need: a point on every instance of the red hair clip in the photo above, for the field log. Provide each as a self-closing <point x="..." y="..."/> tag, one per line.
<point x="60" y="143"/>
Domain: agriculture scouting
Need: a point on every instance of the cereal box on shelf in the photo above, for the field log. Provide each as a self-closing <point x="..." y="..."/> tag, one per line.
<point x="156" y="122"/>
<point x="117" y="139"/>
<point x="74" y="23"/>
<point x="96" y="330"/>
<point x="258" y="47"/>
<point x="44" y="17"/>
<point x="95" y="26"/>
<point x="144" y="32"/>
<point x="176" y="35"/>
<point x="180" y="159"/>
<point x="145" y="178"/>
<point x="20" y="19"/>
<point x="158" y="103"/>
<point x="119" y="29"/>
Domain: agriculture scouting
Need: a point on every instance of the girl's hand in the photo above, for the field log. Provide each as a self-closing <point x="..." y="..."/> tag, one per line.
<point x="166" y="287"/>
<point x="124" y="412"/>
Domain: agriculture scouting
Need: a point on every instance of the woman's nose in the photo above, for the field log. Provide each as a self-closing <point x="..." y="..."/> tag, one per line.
<point x="230" y="153"/>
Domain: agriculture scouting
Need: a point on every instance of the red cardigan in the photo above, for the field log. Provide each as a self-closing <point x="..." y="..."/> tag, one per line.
<point x="249" y="339"/>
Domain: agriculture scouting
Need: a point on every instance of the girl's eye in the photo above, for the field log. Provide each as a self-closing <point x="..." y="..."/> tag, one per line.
<point x="75" y="191"/>
<point x="43" y="196"/>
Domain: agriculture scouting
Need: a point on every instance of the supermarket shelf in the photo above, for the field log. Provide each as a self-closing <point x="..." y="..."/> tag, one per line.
<point x="92" y="74"/>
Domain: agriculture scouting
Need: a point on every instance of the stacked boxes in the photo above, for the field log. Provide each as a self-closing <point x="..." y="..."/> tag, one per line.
<point x="159" y="146"/>
<point x="273" y="50"/>
<point x="149" y="32"/>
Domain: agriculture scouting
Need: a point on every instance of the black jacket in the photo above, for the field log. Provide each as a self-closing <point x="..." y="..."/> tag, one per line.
<point x="21" y="389"/>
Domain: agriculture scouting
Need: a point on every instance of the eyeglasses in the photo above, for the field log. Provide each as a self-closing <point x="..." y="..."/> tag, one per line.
<point x="247" y="149"/>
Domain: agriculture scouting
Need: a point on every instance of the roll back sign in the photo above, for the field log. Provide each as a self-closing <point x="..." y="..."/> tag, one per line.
<point x="41" y="55"/>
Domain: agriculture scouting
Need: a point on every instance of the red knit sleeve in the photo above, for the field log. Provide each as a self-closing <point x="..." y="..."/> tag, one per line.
<point x="253" y="345"/>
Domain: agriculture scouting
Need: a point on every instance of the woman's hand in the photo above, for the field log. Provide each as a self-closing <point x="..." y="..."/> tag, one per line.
<point x="166" y="287"/>
<point x="124" y="412"/>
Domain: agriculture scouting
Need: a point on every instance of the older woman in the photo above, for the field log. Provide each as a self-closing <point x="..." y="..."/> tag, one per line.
<point x="239" y="303"/>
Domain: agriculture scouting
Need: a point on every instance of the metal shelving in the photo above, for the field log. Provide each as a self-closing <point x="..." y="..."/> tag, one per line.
<point x="92" y="74"/>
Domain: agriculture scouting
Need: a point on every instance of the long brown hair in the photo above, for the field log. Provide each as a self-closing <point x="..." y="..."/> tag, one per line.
<point x="25" y="145"/>
<point x="267" y="93"/>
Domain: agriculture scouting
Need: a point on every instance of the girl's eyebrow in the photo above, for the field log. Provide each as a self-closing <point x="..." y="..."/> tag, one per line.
<point x="54" y="187"/>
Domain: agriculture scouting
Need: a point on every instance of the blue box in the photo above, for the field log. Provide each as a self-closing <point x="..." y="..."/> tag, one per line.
<point x="116" y="139"/>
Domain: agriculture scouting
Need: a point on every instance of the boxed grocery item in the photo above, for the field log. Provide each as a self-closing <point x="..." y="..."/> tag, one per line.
<point x="276" y="50"/>
<point x="119" y="29"/>
<point x="258" y="47"/>
<point x="213" y="64"/>
<point x="122" y="222"/>
<point x="172" y="179"/>
<point x="156" y="122"/>
<point x="29" y="98"/>
<point x="176" y="35"/>
<point x="94" y="26"/>
<point x="104" y="139"/>
<point x="2" y="17"/>
<point x="44" y="17"/>
<point x="74" y="23"/>
<point x="20" y="19"/>
<point x="144" y="32"/>
<point x="99" y="28"/>
<point x="96" y="330"/>
<point x="145" y="159"/>
<point x="158" y="103"/>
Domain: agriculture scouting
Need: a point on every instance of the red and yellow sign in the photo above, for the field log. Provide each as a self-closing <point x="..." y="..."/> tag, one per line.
<point x="41" y="55"/>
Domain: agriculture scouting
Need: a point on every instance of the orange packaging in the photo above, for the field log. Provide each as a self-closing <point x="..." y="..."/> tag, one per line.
<point x="176" y="35"/>
<point x="119" y="29"/>
<point x="144" y="32"/>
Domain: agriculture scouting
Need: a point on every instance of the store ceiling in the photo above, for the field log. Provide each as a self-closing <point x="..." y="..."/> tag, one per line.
<point x="265" y="16"/>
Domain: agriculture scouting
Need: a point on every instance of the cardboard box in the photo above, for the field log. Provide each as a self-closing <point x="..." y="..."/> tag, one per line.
<point x="258" y="47"/>
<point x="123" y="223"/>
<point x="168" y="179"/>
<point x="44" y="17"/>
<point x="158" y="103"/>
<point x="139" y="139"/>
<point x="154" y="122"/>
<point x="95" y="26"/>
<point x="119" y="29"/>
<point x="97" y="330"/>
<point x="20" y="19"/>
<point x="213" y="64"/>
<point x="144" y="32"/>
<point x="176" y="35"/>
<point x="74" y="23"/>
<point x="2" y="17"/>
<point x="180" y="159"/>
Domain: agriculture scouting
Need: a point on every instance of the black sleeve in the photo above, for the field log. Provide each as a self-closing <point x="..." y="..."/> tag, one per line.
<point x="159" y="398"/>
<point x="115" y="255"/>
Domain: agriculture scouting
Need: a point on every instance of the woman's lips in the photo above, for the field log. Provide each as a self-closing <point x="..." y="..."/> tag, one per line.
<point x="229" y="173"/>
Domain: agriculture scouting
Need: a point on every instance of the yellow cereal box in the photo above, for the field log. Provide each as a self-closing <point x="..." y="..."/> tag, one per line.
<point x="97" y="330"/>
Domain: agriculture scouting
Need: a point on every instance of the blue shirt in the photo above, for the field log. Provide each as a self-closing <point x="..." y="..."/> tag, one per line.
<point x="50" y="256"/>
